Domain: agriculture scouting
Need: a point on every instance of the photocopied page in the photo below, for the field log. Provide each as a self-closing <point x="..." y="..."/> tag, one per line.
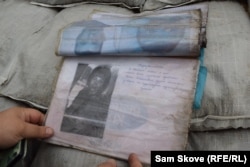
<point x="118" y="106"/>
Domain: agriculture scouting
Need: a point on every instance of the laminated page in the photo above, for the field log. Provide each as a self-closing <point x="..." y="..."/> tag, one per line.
<point x="162" y="34"/>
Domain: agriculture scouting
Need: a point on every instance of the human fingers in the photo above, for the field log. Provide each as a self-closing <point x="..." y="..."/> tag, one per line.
<point x="108" y="163"/>
<point x="33" y="116"/>
<point x="35" y="131"/>
<point x="134" y="161"/>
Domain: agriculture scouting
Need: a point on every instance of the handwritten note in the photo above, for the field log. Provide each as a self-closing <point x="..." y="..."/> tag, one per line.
<point x="149" y="78"/>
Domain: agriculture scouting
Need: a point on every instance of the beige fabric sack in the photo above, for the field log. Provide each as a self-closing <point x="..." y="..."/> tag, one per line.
<point x="226" y="100"/>
<point x="132" y="4"/>
<point x="142" y="5"/>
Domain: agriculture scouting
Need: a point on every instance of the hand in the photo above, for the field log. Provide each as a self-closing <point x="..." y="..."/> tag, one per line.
<point x="133" y="161"/>
<point x="18" y="123"/>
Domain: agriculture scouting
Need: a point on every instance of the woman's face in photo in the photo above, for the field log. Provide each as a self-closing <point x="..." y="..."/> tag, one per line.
<point x="96" y="83"/>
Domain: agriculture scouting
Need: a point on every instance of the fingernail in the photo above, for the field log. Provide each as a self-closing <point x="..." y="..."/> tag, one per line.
<point x="49" y="131"/>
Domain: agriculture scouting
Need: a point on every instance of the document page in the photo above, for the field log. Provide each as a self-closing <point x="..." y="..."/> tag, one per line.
<point x="118" y="106"/>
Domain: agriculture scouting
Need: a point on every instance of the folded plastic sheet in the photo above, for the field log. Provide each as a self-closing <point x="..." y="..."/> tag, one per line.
<point x="201" y="82"/>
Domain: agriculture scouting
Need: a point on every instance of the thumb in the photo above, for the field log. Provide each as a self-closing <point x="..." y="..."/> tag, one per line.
<point x="134" y="161"/>
<point x="35" y="131"/>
